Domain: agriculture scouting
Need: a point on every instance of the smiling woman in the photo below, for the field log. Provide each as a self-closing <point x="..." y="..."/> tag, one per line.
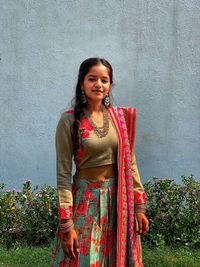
<point x="102" y="213"/>
<point x="96" y="84"/>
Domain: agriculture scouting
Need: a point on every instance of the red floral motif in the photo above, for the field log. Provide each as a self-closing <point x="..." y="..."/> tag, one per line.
<point x="82" y="209"/>
<point x="97" y="264"/>
<point x="70" y="210"/>
<point x="144" y="197"/>
<point x="105" y="252"/>
<point x="84" y="248"/>
<point x="85" y="125"/>
<point x="62" y="264"/>
<point x="74" y="263"/>
<point x="88" y="220"/>
<point x="95" y="185"/>
<point x="88" y="195"/>
<point x="104" y="238"/>
<point x="137" y="197"/>
<point x="89" y="239"/>
<point x="85" y="134"/>
<point x="64" y="213"/>
<point x="85" y="128"/>
<point x="103" y="220"/>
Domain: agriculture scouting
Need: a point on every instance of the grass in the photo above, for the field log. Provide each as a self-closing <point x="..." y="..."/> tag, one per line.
<point x="25" y="257"/>
<point x="167" y="257"/>
<point x="40" y="257"/>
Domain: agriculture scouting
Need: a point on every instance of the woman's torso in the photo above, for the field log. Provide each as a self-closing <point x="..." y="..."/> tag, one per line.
<point x="108" y="167"/>
<point x="99" y="173"/>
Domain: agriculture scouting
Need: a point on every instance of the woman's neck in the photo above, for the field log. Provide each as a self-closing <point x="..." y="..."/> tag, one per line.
<point x="93" y="107"/>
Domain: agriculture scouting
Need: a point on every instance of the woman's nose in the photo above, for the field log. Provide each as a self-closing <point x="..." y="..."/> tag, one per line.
<point x="98" y="83"/>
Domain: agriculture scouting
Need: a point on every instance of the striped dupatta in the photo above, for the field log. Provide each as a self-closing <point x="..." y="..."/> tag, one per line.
<point x="128" y="241"/>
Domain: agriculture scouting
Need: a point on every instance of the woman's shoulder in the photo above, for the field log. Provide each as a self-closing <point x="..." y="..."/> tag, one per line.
<point x="124" y="109"/>
<point x="67" y="115"/>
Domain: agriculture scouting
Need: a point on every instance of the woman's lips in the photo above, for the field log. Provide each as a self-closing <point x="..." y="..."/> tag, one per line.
<point x="97" y="91"/>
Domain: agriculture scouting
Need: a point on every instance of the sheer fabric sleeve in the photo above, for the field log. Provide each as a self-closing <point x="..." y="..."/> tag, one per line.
<point x="139" y="193"/>
<point x="64" y="154"/>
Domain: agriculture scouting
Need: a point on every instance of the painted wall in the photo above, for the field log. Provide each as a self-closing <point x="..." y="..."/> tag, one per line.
<point x="154" y="48"/>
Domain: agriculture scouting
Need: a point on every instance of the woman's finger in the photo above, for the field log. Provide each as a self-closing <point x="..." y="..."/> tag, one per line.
<point x="145" y="226"/>
<point x="71" y="251"/>
<point x="76" y="246"/>
<point x="64" y="247"/>
<point x="140" y="225"/>
<point x="67" y="252"/>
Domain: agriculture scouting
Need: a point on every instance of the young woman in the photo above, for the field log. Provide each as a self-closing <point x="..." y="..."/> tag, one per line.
<point x="102" y="209"/>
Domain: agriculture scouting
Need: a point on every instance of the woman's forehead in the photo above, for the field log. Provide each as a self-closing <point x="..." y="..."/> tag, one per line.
<point x="98" y="70"/>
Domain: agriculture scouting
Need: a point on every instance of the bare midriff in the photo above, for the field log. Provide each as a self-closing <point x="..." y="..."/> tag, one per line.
<point x="99" y="173"/>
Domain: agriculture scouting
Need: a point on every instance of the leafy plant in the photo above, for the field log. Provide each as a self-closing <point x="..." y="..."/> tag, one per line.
<point x="30" y="217"/>
<point x="174" y="212"/>
<point x="27" y="217"/>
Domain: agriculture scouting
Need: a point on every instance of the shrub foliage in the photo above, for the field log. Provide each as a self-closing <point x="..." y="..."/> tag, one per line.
<point x="174" y="213"/>
<point x="29" y="217"/>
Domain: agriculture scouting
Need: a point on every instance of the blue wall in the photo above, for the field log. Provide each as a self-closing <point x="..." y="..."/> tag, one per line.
<point x="154" y="47"/>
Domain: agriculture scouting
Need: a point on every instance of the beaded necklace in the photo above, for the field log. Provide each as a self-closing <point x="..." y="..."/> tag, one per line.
<point x="103" y="130"/>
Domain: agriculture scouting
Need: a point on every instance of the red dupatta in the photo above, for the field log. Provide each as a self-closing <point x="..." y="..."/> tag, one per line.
<point x="128" y="241"/>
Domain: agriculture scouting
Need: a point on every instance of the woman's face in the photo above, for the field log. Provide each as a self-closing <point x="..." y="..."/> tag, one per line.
<point x="96" y="84"/>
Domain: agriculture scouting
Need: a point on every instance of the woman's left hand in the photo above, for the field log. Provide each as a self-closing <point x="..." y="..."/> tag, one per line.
<point x="143" y="223"/>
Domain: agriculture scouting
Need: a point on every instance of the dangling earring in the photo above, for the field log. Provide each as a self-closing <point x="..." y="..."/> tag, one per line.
<point x="106" y="101"/>
<point x="83" y="97"/>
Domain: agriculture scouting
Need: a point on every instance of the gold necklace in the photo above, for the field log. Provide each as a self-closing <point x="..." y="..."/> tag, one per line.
<point x="103" y="130"/>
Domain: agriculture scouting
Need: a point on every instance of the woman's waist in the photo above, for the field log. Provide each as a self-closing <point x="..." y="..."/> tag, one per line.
<point x="99" y="173"/>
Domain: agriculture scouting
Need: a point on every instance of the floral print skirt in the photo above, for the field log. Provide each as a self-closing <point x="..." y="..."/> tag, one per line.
<point x="95" y="220"/>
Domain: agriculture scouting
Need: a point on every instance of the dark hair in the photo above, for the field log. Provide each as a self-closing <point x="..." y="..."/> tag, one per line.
<point x="76" y="102"/>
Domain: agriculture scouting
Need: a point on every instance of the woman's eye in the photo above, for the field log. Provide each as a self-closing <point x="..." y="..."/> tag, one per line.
<point x="104" y="81"/>
<point x="91" y="79"/>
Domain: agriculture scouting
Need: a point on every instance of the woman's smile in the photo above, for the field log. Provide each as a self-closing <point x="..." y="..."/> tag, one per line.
<point x="96" y="84"/>
<point x="97" y="91"/>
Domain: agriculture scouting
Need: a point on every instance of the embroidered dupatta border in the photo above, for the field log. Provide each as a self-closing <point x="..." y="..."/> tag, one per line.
<point x="125" y="126"/>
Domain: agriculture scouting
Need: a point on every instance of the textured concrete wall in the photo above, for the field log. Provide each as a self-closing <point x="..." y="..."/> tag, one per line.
<point x="154" y="47"/>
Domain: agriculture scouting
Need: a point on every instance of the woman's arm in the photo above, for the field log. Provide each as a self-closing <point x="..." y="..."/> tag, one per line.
<point x="139" y="193"/>
<point x="139" y="199"/>
<point x="64" y="153"/>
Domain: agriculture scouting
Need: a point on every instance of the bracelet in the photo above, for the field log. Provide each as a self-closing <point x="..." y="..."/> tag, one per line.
<point x="140" y="208"/>
<point x="65" y="227"/>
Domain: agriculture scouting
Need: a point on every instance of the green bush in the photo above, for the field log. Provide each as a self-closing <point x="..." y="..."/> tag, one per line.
<point x="30" y="217"/>
<point x="174" y="213"/>
<point x="27" y="217"/>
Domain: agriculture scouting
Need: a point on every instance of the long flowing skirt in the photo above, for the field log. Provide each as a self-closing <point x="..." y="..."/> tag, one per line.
<point x="95" y="220"/>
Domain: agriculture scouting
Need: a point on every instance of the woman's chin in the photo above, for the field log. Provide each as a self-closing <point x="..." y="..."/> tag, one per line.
<point x="96" y="98"/>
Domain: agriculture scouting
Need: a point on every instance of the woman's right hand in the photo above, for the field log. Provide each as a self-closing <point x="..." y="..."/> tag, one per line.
<point x="70" y="244"/>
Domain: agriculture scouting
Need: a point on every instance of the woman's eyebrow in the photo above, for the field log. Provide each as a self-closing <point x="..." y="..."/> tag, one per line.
<point x="93" y="75"/>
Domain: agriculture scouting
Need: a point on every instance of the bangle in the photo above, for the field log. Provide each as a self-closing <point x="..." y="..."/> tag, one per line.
<point x="65" y="227"/>
<point x="140" y="208"/>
